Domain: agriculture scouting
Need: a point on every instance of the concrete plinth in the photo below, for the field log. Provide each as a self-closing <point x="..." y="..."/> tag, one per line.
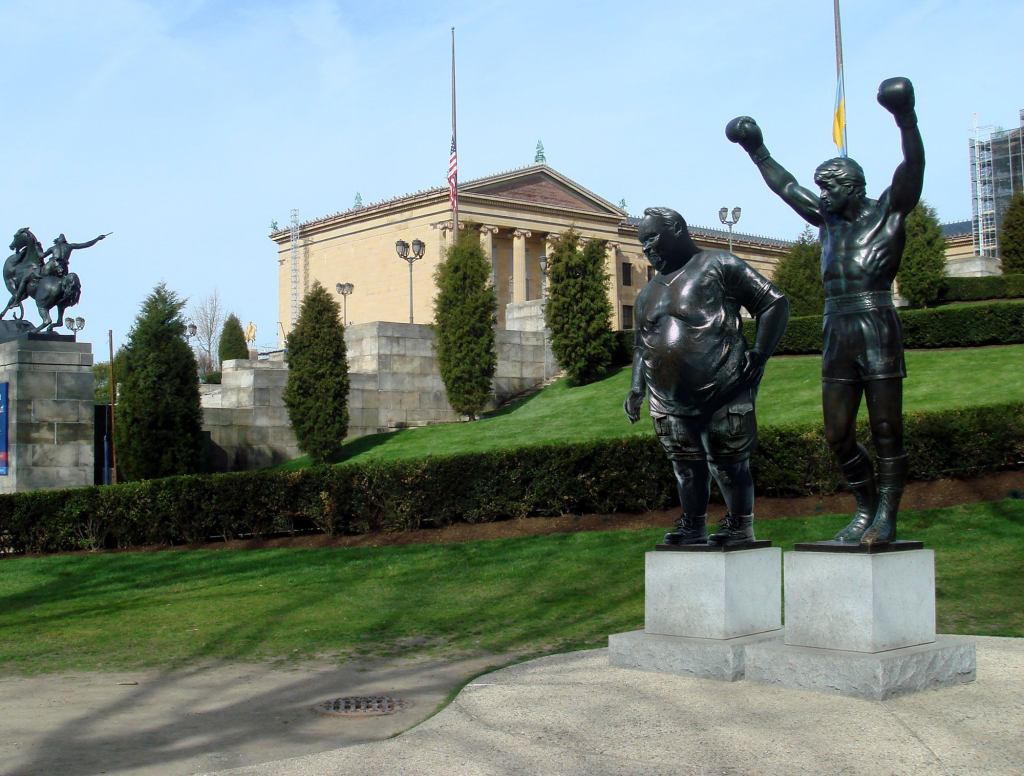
<point x="713" y="595"/>
<point x="51" y="412"/>
<point x="860" y="602"/>
<point x="709" y="658"/>
<point x="948" y="660"/>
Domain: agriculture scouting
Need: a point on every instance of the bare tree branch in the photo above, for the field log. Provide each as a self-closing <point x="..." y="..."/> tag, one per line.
<point x="208" y="316"/>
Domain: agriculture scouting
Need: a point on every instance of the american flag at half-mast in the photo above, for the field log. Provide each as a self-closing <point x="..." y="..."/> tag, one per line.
<point x="453" y="177"/>
<point x="453" y="160"/>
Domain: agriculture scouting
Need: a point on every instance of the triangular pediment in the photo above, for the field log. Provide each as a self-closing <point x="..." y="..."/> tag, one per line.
<point x="541" y="186"/>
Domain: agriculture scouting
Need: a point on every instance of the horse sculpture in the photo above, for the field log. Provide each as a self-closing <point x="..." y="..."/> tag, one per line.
<point x="23" y="271"/>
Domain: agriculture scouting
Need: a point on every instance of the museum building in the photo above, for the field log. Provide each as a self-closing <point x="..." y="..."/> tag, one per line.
<point x="517" y="215"/>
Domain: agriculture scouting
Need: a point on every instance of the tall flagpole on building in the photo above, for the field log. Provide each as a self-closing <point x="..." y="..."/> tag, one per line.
<point x="453" y="161"/>
<point x="839" y="116"/>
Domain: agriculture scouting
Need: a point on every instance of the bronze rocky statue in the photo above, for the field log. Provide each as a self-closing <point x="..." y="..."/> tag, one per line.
<point x="862" y="244"/>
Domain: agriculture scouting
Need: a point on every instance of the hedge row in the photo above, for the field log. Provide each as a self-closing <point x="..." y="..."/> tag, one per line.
<point x="973" y="289"/>
<point x="996" y="323"/>
<point x="621" y="475"/>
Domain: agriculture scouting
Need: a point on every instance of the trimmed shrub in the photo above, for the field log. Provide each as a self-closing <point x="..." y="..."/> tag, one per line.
<point x="975" y="289"/>
<point x="316" y="394"/>
<point x="1011" y="236"/>
<point x="159" y="420"/>
<point x="630" y="474"/>
<point x="465" y="311"/>
<point x="577" y="309"/>
<point x="799" y="276"/>
<point x="923" y="266"/>
<point x="964" y="327"/>
<point x="232" y="341"/>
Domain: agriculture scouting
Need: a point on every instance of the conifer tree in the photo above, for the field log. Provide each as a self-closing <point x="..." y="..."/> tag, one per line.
<point x="316" y="394"/>
<point x="578" y="311"/>
<point x="465" y="312"/>
<point x="1011" y="236"/>
<point x="799" y="276"/>
<point x="923" y="267"/>
<point x="159" y="419"/>
<point x="232" y="340"/>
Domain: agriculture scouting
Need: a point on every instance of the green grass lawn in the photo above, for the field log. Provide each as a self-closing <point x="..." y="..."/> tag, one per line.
<point x="547" y="593"/>
<point x="790" y="392"/>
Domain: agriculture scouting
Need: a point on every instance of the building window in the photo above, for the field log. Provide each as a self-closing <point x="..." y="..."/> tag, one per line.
<point x="627" y="316"/>
<point x="650" y="273"/>
<point x="627" y="273"/>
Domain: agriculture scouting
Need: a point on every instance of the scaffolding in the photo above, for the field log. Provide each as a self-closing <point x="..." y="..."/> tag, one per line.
<point x="997" y="173"/>
<point x="295" y="267"/>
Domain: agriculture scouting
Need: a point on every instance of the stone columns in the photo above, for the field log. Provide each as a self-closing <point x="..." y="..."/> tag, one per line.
<point x="51" y="412"/>
<point x="519" y="265"/>
<point x="487" y="243"/>
<point x="611" y="267"/>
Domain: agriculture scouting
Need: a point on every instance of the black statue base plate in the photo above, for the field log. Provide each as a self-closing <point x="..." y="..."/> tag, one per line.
<point x="867" y="549"/>
<point x="51" y="336"/>
<point x="754" y="545"/>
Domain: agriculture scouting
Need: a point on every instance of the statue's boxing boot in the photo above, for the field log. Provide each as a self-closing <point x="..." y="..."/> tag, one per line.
<point x="892" y="474"/>
<point x="688" y="530"/>
<point x="860" y="477"/>
<point x="733" y="529"/>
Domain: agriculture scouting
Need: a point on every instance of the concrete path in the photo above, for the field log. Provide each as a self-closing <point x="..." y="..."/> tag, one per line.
<point x="574" y="714"/>
<point x="166" y="723"/>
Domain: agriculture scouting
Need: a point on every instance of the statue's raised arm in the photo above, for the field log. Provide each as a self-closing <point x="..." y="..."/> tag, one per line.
<point x="896" y="95"/>
<point x="744" y="130"/>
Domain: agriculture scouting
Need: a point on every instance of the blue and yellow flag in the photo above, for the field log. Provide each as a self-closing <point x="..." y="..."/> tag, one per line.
<point x="839" y="117"/>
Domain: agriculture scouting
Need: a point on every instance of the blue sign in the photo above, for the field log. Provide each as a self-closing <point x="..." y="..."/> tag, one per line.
<point x="3" y="429"/>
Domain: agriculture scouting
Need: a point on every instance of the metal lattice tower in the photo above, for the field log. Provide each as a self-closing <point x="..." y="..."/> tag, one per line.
<point x="295" y="266"/>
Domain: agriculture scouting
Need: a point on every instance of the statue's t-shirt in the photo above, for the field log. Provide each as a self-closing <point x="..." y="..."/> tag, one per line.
<point x="690" y="332"/>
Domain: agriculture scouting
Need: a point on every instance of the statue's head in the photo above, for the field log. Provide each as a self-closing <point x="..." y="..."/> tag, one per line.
<point x="22" y="238"/>
<point x="665" y="239"/>
<point x="60" y="239"/>
<point x="841" y="181"/>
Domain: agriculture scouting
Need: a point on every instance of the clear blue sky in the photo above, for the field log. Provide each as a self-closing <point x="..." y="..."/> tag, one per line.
<point x="187" y="127"/>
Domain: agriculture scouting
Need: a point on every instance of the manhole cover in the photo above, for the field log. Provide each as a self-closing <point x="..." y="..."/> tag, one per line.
<point x="362" y="706"/>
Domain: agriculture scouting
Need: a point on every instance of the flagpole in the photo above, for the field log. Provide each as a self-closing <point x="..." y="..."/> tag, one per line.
<point x="454" y="173"/>
<point x="840" y="79"/>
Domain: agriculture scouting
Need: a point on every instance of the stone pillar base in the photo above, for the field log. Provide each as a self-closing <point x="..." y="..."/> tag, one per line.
<point x="948" y="660"/>
<point x="708" y="658"/>
<point x="860" y="601"/>
<point x="704" y="606"/>
<point x="713" y="594"/>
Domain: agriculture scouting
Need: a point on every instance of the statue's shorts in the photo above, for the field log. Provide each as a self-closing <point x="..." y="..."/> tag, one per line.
<point x="863" y="339"/>
<point x="727" y="436"/>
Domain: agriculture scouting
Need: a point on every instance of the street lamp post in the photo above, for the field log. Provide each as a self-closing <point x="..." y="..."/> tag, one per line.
<point x="344" y="289"/>
<point x="402" y="249"/>
<point x="74" y="325"/>
<point x="543" y="276"/>
<point x="723" y="214"/>
<point x="190" y="331"/>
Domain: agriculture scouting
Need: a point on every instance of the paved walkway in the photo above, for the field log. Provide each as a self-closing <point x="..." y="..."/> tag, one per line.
<point x="574" y="714"/>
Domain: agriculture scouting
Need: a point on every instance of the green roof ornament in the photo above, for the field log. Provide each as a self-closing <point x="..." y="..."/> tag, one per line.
<point x="539" y="157"/>
<point x="358" y="203"/>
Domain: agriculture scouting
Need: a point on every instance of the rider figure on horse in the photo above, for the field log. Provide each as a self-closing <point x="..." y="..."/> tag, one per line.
<point x="57" y="266"/>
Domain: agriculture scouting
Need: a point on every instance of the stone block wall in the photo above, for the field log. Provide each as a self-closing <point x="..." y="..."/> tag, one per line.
<point x="394" y="382"/>
<point x="246" y="420"/>
<point x="50" y="425"/>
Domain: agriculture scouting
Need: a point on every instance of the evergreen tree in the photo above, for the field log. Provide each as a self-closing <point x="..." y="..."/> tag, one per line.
<point x="232" y="340"/>
<point x="1011" y="236"/>
<point x="578" y="311"/>
<point x="316" y="394"/>
<point x="923" y="267"/>
<point x="799" y="276"/>
<point x="465" y="312"/>
<point x="159" y="426"/>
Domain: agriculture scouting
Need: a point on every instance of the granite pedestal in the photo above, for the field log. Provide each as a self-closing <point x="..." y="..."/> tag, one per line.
<point x="50" y="412"/>
<point x="861" y="621"/>
<point x="704" y="606"/>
